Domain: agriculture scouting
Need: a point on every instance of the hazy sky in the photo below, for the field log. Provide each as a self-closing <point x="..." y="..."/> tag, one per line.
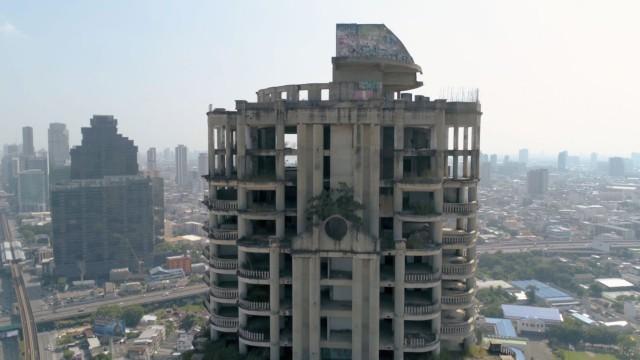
<point x="552" y="75"/>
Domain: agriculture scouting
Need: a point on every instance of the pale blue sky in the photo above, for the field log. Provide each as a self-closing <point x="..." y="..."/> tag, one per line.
<point x="552" y="75"/>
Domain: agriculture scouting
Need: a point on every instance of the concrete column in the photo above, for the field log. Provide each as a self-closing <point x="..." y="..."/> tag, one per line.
<point x="303" y="178"/>
<point x="356" y="309"/>
<point x="241" y="147"/>
<point x="398" y="301"/>
<point x="228" y="149"/>
<point x="465" y="158"/>
<point x="397" y="208"/>
<point x="280" y="169"/>
<point x="274" y="300"/>
<point x="455" y="157"/>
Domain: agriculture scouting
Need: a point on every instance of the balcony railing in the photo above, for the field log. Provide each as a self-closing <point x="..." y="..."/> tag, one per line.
<point x="457" y="299"/>
<point x="421" y="309"/>
<point x="458" y="237"/>
<point x="462" y="328"/>
<point x="254" y="274"/>
<point x="421" y="276"/>
<point x="216" y="234"/>
<point x="460" y="208"/>
<point x="224" y="321"/>
<point x="221" y="205"/>
<point x="463" y="269"/>
<point x="223" y="264"/>
<point x="254" y="305"/>
<point x="255" y="336"/>
<point x="224" y="293"/>
<point x="416" y="341"/>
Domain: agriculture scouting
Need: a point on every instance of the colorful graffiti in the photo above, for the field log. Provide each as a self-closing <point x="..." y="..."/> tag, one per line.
<point x="370" y="40"/>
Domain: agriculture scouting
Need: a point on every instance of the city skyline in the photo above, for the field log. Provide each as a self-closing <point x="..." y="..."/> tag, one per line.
<point x="160" y="66"/>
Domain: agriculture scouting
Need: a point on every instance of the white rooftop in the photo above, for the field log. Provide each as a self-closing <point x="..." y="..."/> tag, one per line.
<point x="613" y="283"/>
<point x="486" y="284"/>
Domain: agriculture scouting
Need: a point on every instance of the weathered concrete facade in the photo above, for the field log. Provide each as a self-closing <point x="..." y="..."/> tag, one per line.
<point x="398" y="283"/>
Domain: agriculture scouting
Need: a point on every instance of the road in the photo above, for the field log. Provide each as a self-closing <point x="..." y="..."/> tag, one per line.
<point x="511" y="247"/>
<point x="29" y="329"/>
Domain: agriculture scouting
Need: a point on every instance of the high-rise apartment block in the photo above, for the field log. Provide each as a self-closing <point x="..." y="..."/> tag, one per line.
<point x="182" y="166"/>
<point x="357" y="239"/>
<point x="103" y="217"/>
<point x="537" y="182"/>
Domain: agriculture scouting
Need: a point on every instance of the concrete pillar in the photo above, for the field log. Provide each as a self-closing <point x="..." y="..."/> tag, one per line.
<point x="280" y="169"/>
<point x="241" y="159"/>
<point x="398" y="301"/>
<point x="228" y="149"/>
<point x="465" y="158"/>
<point x="455" y="157"/>
<point x="274" y="300"/>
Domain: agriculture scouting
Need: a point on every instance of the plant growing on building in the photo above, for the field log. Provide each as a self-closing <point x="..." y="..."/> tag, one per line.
<point x="338" y="201"/>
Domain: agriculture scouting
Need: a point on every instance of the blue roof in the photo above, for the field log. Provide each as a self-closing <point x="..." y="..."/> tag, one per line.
<point x="531" y="312"/>
<point x="504" y="327"/>
<point x="584" y="318"/>
<point x="518" y="352"/>
<point x="543" y="290"/>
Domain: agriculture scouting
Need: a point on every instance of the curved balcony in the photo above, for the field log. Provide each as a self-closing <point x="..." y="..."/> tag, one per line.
<point x="222" y="265"/>
<point x="206" y="278"/>
<point x="224" y="295"/>
<point x="452" y="239"/>
<point x="224" y="323"/>
<point x="257" y="243"/>
<point x="254" y="307"/>
<point x="416" y="342"/>
<point x="416" y="275"/>
<point x="254" y="338"/>
<point x="456" y="329"/>
<point x="223" y="237"/>
<point x="254" y="276"/>
<point x="457" y="299"/>
<point x="461" y="209"/>
<point x="417" y="310"/>
<point x="220" y="205"/>
<point x="454" y="270"/>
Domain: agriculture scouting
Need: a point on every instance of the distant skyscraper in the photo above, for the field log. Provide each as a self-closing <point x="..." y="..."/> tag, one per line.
<point x="182" y="166"/>
<point x="166" y="155"/>
<point x="27" y="141"/>
<point x="523" y="155"/>
<point x="537" y="181"/>
<point x="616" y="167"/>
<point x="505" y="159"/>
<point x="562" y="160"/>
<point x="152" y="163"/>
<point x="59" y="158"/>
<point x="32" y="190"/>
<point x="635" y="159"/>
<point x="58" y="137"/>
<point x="594" y="161"/>
<point x="494" y="160"/>
<point x="203" y="163"/>
<point x="103" y="217"/>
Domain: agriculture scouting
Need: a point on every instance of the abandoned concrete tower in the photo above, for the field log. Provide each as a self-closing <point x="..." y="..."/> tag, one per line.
<point x="343" y="215"/>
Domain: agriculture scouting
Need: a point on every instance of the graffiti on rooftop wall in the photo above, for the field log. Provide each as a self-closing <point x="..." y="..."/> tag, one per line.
<point x="367" y="89"/>
<point x="370" y="40"/>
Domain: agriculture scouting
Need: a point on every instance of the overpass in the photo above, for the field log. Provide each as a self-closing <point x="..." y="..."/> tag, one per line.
<point x="520" y="246"/>
<point x="27" y="321"/>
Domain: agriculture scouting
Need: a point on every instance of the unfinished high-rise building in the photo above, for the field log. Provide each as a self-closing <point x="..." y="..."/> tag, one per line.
<point x="342" y="215"/>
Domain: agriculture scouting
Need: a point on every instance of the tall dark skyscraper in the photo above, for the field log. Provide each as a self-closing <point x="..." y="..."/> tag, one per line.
<point x="537" y="181"/>
<point x="103" y="217"/>
<point x="616" y="167"/>
<point x="27" y="141"/>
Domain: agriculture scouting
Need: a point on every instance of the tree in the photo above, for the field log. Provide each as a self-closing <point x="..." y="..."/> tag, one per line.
<point x="109" y="312"/>
<point x="188" y="322"/>
<point x="531" y="294"/>
<point x="67" y="354"/>
<point x="102" y="357"/>
<point x="132" y="315"/>
<point x="595" y="290"/>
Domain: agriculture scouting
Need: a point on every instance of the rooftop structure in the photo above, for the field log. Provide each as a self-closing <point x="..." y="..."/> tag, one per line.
<point x="342" y="219"/>
<point x="614" y="283"/>
<point x="547" y="293"/>
<point x="503" y="327"/>
<point x="519" y="312"/>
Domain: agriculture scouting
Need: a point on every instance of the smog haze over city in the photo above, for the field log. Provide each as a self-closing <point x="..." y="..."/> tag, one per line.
<point x="368" y="180"/>
<point x="552" y="75"/>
